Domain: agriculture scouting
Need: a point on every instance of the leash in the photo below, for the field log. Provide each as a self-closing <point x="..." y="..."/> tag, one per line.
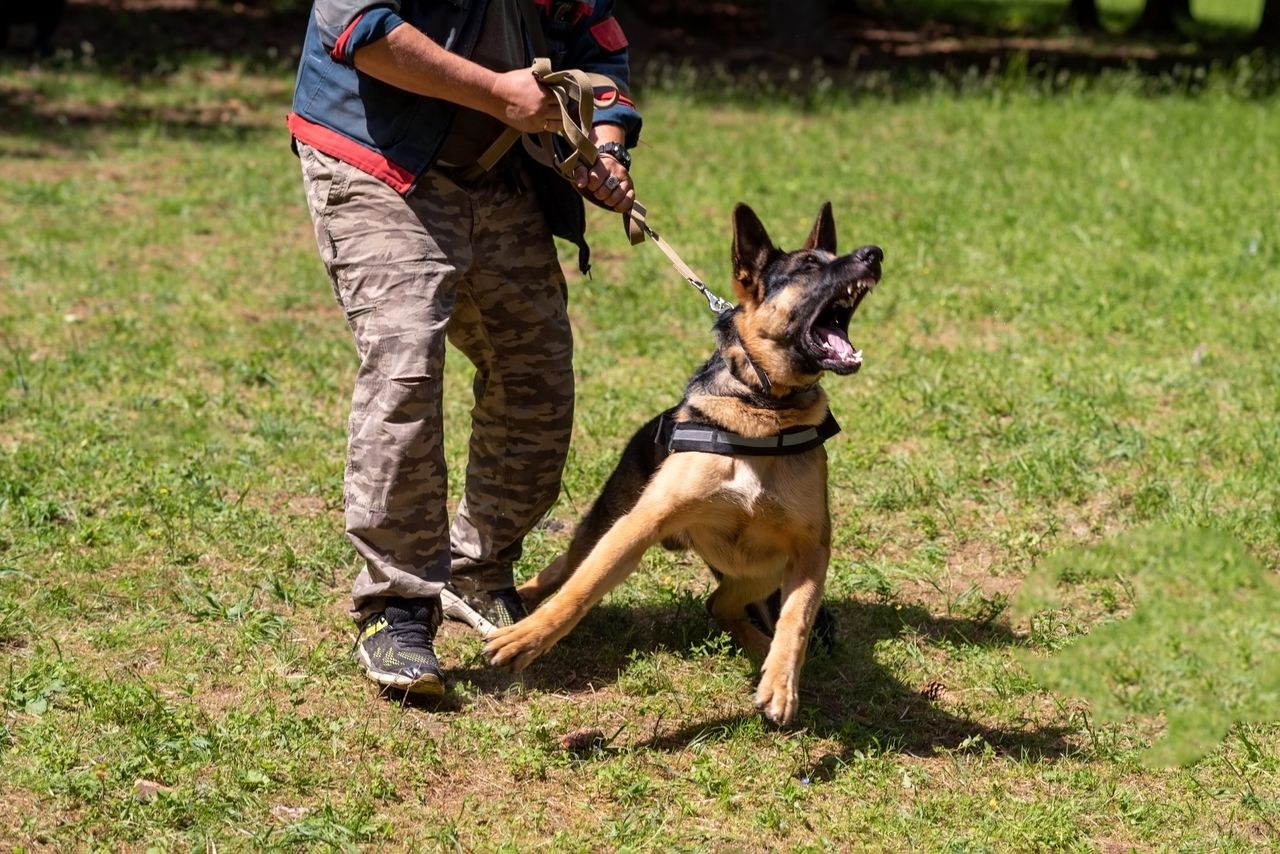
<point x="717" y="305"/>
<point x="578" y="94"/>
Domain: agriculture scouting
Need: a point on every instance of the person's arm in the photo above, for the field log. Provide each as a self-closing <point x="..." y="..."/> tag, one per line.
<point x="600" y="47"/>
<point x="408" y="59"/>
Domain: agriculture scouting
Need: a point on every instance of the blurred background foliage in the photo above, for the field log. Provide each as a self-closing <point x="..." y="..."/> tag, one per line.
<point x="146" y="36"/>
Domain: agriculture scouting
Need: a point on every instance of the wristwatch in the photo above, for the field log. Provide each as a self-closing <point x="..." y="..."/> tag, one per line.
<point x="617" y="152"/>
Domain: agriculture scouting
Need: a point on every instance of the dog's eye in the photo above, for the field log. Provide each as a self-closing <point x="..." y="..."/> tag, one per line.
<point x="810" y="265"/>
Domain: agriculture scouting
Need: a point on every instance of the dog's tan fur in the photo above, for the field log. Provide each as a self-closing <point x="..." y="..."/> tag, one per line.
<point x="762" y="522"/>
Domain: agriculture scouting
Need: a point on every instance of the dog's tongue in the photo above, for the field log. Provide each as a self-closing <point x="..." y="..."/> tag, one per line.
<point x="835" y="343"/>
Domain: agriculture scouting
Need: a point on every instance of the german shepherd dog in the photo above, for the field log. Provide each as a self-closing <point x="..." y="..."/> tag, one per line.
<point x="761" y="522"/>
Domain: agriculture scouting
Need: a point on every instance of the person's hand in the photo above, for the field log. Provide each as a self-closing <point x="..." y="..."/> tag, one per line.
<point x="607" y="182"/>
<point x="524" y="103"/>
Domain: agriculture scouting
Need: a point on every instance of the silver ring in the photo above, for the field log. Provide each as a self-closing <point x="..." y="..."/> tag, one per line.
<point x="611" y="182"/>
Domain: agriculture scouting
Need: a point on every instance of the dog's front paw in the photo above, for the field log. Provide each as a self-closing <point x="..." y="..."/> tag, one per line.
<point x="515" y="647"/>
<point x="778" y="697"/>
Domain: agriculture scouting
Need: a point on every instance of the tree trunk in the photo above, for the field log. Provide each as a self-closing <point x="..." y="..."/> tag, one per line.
<point x="1269" y="27"/>
<point x="797" y="24"/>
<point x="1160" y="17"/>
<point x="1084" y="14"/>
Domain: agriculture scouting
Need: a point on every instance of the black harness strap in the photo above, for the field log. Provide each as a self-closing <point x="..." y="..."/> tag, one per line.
<point x="709" y="439"/>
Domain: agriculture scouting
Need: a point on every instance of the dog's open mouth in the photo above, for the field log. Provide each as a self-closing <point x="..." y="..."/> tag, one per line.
<point x="829" y="331"/>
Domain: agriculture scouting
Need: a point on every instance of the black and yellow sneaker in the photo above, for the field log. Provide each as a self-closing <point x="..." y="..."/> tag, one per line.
<point x="395" y="647"/>
<point x="482" y="610"/>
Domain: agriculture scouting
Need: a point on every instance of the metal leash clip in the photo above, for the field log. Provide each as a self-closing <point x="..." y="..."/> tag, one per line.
<point x="715" y="303"/>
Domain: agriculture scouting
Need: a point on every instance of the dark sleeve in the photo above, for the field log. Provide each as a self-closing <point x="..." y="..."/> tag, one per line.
<point x="347" y="25"/>
<point x="600" y="46"/>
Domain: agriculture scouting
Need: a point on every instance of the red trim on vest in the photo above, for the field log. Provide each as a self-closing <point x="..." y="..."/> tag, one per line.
<point x="609" y="35"/>
<point x="347" y="150"/>
<point x="339" y="52"/>
<point x="580" y="10"/>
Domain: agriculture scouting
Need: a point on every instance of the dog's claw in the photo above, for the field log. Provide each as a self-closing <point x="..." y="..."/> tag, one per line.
<point x="778" y="703"/>
<point x="515" y="647"/>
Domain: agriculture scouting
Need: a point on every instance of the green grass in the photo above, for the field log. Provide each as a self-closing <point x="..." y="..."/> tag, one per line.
<point x="1075" y="337"/>
<point x="1219" y="17"/>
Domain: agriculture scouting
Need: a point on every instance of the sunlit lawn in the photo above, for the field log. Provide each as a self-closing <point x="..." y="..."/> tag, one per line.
<point x="1076" y="336"/>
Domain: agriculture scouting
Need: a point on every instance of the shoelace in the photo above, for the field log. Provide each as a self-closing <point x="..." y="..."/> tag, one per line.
<point x="414" y="633"/>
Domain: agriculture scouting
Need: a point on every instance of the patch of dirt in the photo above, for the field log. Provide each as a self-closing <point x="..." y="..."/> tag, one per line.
<point x="65" y="114"/>
<point x="296" y="505"/>
<point x="1113" y="845"/>
<point x="47" y="165"/>
<point x="1093" y="521"/>
<point x="988" y="334"/>
<point x="13" y="439"/>
<point x="961" y="584"/>
<point x="17" y="806"/>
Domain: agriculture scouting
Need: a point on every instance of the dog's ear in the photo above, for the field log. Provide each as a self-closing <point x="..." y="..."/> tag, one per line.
<point x="823" y="235"/>
<point x="752" y="252"/>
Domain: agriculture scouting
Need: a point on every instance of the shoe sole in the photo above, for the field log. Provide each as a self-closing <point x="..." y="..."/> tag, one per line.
<point x="456" y="608"/>
<point x="427" y="685"/>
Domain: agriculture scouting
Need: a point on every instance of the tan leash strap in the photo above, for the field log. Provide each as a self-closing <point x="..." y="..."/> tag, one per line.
<point x="575" y="91"/>
<point x="638" y="219"/>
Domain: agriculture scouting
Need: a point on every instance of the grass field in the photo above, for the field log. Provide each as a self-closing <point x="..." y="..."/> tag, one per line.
<point x="1075" y="337"/>
<point x="1222" y="17"/>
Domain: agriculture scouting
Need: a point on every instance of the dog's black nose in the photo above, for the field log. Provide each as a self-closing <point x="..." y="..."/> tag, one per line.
<point x="869" y="255"/>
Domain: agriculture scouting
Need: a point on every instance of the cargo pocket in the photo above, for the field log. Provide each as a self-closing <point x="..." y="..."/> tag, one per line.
<point x="395" y="452"/>
<point x="404" y="359"/>
<point x="323" y="179"/>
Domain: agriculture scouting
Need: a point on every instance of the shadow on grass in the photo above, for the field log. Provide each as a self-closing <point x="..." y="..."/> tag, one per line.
<point x="846" y="695"/>
<point x="156" y="36"/>
<point x="711" y="57"/>
<point x="67" y="125"/>
<point x="149" y="38"/>
<point x="604" y="644"/>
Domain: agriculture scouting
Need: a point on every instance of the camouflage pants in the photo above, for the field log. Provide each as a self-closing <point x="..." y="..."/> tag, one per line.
<point x="473" y="262"/>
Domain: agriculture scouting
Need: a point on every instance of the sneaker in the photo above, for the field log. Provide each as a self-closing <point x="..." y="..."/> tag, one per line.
<point x="485" y="611"/>
<point x="395" y="647"/>
<point x="764" y="616"/>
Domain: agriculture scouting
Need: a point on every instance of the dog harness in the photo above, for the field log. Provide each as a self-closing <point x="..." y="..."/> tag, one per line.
<point x="709" y="439"/>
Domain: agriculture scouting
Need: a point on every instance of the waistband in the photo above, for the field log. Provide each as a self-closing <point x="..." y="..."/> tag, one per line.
<point x="508" y="170"/>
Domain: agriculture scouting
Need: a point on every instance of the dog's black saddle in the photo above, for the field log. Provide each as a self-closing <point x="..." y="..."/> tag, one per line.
<point x="710" y="439"/>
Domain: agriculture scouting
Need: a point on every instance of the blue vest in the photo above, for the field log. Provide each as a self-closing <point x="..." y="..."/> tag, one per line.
<point x="394" y="135"/>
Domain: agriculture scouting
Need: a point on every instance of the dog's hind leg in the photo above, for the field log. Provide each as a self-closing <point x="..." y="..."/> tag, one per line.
<point x="547" y="581"/>
<point x="728" y="607"/>
<point x="622" y="490"/>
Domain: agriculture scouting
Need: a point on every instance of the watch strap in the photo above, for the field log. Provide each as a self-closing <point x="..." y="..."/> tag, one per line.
<point x="617" y="152"/>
